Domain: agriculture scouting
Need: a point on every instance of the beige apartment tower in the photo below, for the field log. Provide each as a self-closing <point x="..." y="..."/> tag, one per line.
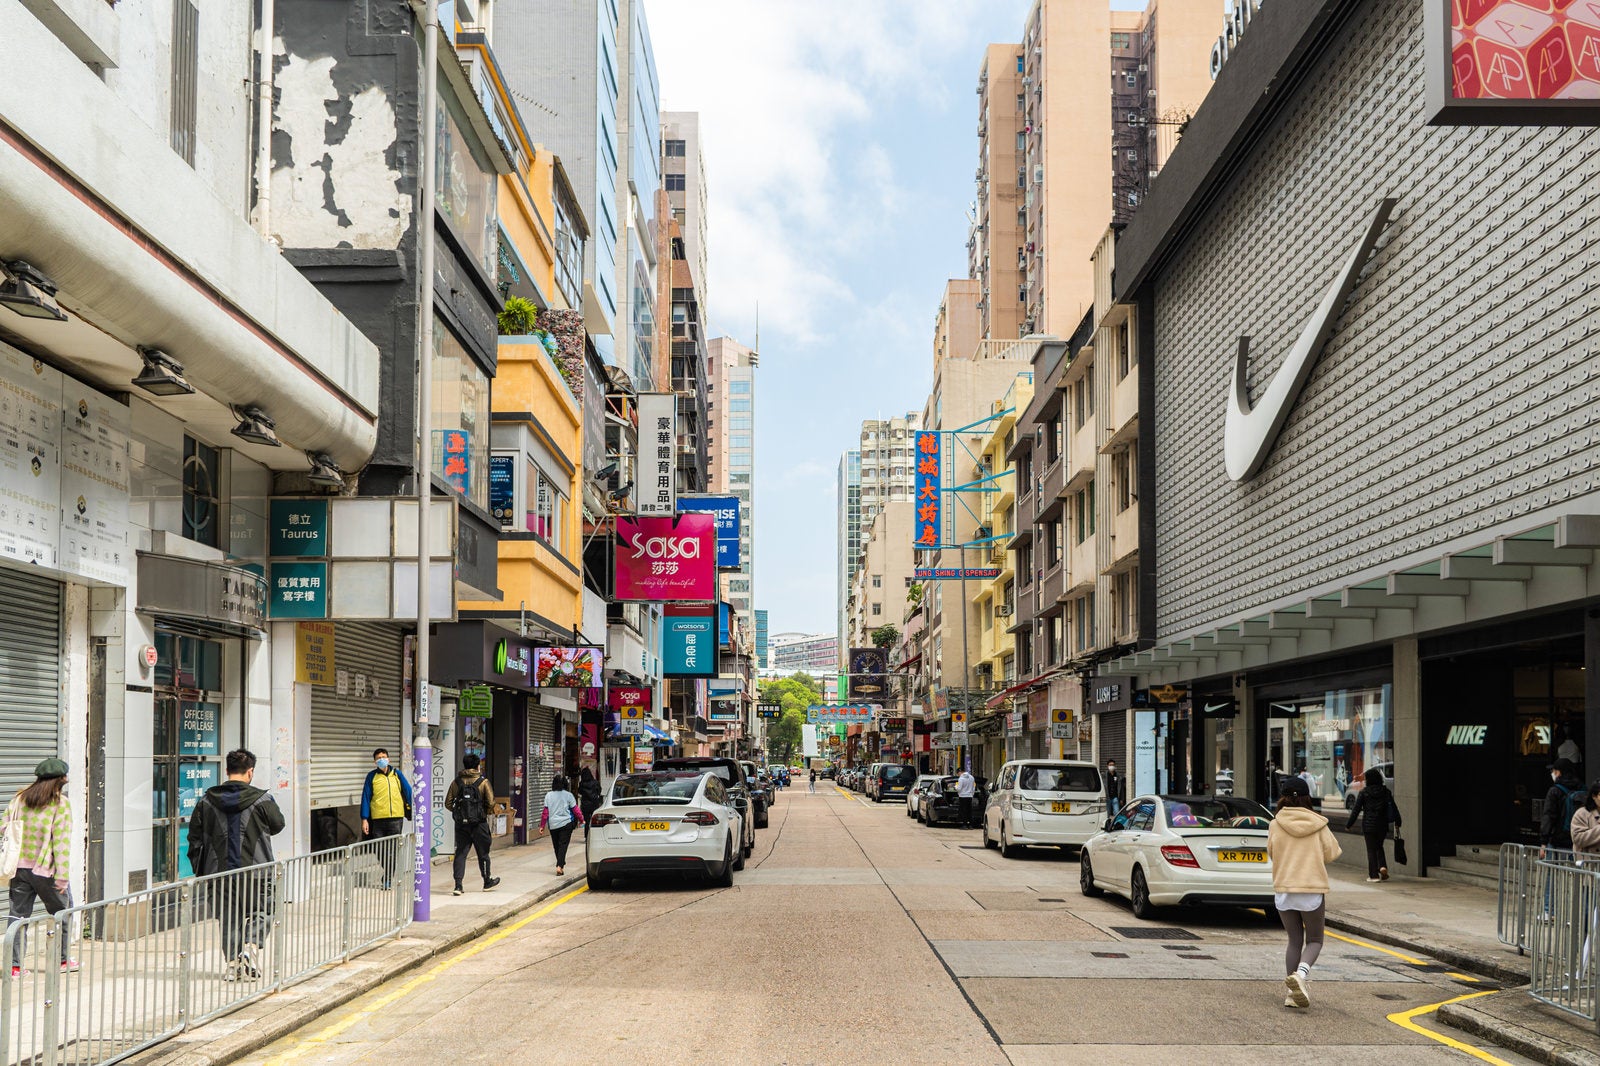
<point x="996" y="252"/>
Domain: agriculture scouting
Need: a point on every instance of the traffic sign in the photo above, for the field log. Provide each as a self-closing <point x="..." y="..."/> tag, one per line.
<point x="958" y="721"/>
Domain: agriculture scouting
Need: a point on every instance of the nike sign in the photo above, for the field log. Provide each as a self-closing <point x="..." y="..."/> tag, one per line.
<point x="1250" y="431"/>
<point x="1213" y="708"/>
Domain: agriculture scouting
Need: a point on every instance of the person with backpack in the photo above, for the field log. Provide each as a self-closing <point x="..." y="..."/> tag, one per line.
<point x="471" y="799"/>
<point x="231" y="828"/>
<point x="1561" y="803"/>
<point x="561" y="815"/>
<point x="1376" y="809"/>
<point x="39" y="841"/>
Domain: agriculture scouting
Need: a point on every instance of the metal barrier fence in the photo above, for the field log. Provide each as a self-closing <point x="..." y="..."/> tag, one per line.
<point x="1519" y="898"/>
<point x="99" y="982"/>
<point x="1561" y="937"/>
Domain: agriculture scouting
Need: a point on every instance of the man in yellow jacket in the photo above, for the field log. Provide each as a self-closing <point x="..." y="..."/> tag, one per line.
<point x="385" y="806"/>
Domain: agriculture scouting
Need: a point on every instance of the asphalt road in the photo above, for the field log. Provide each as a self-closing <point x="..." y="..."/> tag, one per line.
<point x="856" y="935"/>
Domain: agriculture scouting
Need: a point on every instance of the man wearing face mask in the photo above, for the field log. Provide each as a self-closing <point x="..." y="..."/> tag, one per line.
<point x="1560" y="803"/>
<point x="1113" y="789"/>
<point x="385" y="806"/>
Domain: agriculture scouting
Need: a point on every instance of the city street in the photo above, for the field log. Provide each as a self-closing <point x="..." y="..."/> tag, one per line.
<point x="858" y="935"/>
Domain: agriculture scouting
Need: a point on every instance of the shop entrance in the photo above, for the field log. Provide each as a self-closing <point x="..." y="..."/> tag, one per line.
<point x="195" y="723"/>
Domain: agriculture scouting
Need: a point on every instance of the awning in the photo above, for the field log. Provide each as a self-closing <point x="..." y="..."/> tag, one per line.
<point x="1021" y="686"/>
<point x="657" y="734"/>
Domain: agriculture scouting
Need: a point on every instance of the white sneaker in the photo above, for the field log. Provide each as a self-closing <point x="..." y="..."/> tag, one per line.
<point x="1297" y="990"/>
<point x="1373" y="880"/>
<point x="249" y="968"/>
<point x="1288" y="1001"/>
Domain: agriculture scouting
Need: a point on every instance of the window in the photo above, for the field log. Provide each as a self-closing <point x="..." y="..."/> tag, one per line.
<point x="738" y="479"/>
<point x="1124" y="346"/>
<point x="466" y="190"/>
<point x="675" y="149"/>
<point x="201" y="495"/>
<point x="736" y="406"/>
<point x="546" y="508"/>
<point x="1125" y="603"/>
<point x="877" y="608"/>
<point x="1125" y="478"/>
<point x="185" y="75"/>
<point x="739" y="440"/>
<point x="1083" y="512"/>
<point x="1021" y="101"/>
<point x="877" y="581"/>
<point x="1019" y="64"/>
<point x="459" y="418"/>
<point x="1022" y="142"/>
<point x="739" y="422"/>
<point x="676" y="183"/>
<point x="1022" y="177"/>
<point x="739" y="387"/>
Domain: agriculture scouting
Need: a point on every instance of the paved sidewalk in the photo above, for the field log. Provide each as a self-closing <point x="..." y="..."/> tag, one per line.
<point x="527" y="875"/>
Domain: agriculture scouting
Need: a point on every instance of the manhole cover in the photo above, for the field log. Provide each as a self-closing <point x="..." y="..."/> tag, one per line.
<point x="1108" y="954"/>
<point x="1152" y="932"/>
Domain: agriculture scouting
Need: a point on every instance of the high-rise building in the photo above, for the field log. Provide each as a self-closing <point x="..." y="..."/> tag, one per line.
<point x="874" y="473"/>
<point x="883" y="574"/>
<point x="733" y="392"/>
<point x="847" y="505"/>
<point x="761" y="640"/>
<point x="683" y="172"/>
<point x="816" y="654"/>
<point x="996" y="249"/>
<point x="639" y="151"/>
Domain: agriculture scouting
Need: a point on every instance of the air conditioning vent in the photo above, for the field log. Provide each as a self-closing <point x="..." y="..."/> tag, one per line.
<point x="1003" y="611"/>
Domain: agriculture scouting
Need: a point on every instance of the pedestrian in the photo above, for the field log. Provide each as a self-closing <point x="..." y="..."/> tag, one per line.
<point x="1300" y="845"/>
<point x="1561" y="804"/>
<point x="590" y="796"/>
<point x="1376" y="809"/>
<point x="1565" y="746"/>
<point x="561" y="815"/>
<point x="1113" y="789"/>
<point x="1586" y="822"/>
<point x="470" y="798"/>
<point x="232" y="829"/>
<point x="43" y="864"/>
<point x="812" y="787"/>
<point x="385" y="809"/>
<point x="966" y="785"/>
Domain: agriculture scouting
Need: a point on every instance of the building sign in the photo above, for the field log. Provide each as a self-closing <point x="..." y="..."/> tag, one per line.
<point x="689" y="640"/>
<point x="1466" y="736"/>
<point x="566" y="667"/>
<point x="299" y="590"/>
<point x="1235" y="21"/>
<point x="475" y="702"/>
<point x="503" y="490"/>
<point x="94" y="485"/>
<point x="658" y="443"/>
<point x="955" y="573"/>
<point x="769" y="710"/>
<point x="1217" y="708"/>
<point x="666" y="559"/>
<point x="894" y="725"/>
<point x="513" y="660"/>
<point x="1038" y="709"/>
<point x="928" y="480"/>
<point x="723" y="712"/>
<point x="209" y="592"/>
<point x="1110" y="694"/>
<point x="846" y="713"/>
<point x="197" y="728"/>
<point x="314" y="661"/>
<point x="1014" y="723"/>
<point x="455" y="445"/>
<point x="869" y="673"/>
<point x="1168" y="693"/>
<point x="30" y="459"/>
<point x="725" y="625"/>
<point x="726" y="511"/>
<point x="298" y="528"/>
<point x="623" y="698"/>
<point x="1513" y="62"/>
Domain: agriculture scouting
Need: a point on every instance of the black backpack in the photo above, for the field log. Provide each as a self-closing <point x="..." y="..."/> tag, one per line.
<point x="470" y="808"/>
<point x="1572" y="800"/>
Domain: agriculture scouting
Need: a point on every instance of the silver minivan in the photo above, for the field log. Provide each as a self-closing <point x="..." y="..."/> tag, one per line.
<point x="1049" y="802"/>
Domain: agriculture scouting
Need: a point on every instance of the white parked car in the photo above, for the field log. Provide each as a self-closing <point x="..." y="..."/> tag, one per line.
<point x="1055" y="802"/>
<point x="1166" y="850"/>
<point x="911" y="796"/>
<point x="668" y="821"/>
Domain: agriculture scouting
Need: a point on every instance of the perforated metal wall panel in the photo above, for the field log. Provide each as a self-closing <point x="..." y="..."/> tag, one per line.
<point x="1458" y="397"/>
<point x="30" y="677"/>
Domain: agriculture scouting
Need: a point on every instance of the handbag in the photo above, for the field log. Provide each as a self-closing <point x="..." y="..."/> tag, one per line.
<point x="1400" y="849"/>
<point x="11" y="839"/>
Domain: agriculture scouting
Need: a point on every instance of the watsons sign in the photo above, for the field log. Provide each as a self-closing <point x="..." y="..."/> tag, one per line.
<point x="1235" y="22"/>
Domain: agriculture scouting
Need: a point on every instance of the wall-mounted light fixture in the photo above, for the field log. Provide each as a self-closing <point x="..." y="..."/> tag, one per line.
<point x="255" y="426"/>
<point x="29" y="292"/>
<point x="162" y="374"/>
<point x="324" y="471"/>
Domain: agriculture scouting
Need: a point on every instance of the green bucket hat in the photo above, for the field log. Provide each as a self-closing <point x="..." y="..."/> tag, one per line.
<point x="50" y="768"/>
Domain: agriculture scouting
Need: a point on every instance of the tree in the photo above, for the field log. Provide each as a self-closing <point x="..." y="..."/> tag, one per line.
<point x="794" y="694"/>
<point x="886" y="636"/>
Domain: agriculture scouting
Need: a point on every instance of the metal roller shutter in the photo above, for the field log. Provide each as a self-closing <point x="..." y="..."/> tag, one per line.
<point x="1111" y="735"/>
<point x="345" y="729"/>
<point x="543" y="757"/>
<point x="30" y="676"/>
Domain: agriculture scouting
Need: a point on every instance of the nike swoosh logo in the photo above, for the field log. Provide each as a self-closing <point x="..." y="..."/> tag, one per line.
<point x="1212" y="708"/>
<point x="1249" y="431"/>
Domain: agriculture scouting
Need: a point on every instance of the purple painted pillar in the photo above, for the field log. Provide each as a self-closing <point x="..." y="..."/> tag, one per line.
<point x="422" y="807"/>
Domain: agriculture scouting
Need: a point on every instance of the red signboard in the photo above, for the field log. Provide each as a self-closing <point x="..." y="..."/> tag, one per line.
<point x="1514" y="61"/>
<point x="667" y="559"/>
<point x="629" y="697"/>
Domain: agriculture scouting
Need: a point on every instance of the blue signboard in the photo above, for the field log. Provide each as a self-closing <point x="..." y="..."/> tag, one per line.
<point x="456" y="444"/>
<point x="502" y="489"/>
<point x="298" y="590"/>
<point x="689" y="641"/>
<point x="298" y="527"/>
<point x="725" y="621"/>
<point x="929" y="480"/>
<point x="726" y="509"/>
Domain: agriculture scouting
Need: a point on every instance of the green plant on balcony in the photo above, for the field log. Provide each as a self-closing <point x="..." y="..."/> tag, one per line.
<point x="885" y="636"/>
<point x="520" y="318"/>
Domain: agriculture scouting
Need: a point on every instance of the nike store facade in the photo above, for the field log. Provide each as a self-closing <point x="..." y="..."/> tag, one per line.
<point x="1370" y="430"/>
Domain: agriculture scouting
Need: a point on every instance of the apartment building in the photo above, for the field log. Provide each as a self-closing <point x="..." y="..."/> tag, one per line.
<point x="884" y="574"/>
<point x="996" y="247"/>
<point x="732" y="369"/>
<point x="996" y="597"/>
<point x="683" y="174"/>
<point x="877" y="472"/>
<point x="847" y="504"/>
<point x="816" y="654"/>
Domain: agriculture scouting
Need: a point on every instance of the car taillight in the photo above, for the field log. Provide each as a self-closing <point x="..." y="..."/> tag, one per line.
<point x="700" y="818"/>
<point x="602" y="818"/>
<point x="1179" y="855"/>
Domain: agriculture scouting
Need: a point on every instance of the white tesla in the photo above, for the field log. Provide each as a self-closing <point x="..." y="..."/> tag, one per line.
<point x="668" y="821"/>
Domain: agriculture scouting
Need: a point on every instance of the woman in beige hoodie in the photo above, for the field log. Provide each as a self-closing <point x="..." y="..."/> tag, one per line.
<point x="1300" y="845"/>
<point x="1586" y="822"/>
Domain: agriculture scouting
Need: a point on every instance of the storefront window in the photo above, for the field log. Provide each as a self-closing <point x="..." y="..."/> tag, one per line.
<point x="460" y="418"/>
<point x="466" y="188"/>
<point x="188" y="743"/>
<point x="1332" y="740"/>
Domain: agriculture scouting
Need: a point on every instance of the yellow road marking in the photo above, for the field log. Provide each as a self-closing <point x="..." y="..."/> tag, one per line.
<point x="1406" y="1020"/>
<point x="1462" y="976"/>
<point x="416" y="982"/>
<point x="1362" y="943"/>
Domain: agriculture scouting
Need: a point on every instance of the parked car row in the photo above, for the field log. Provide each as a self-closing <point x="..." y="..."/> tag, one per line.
<point x="686" y="815"/>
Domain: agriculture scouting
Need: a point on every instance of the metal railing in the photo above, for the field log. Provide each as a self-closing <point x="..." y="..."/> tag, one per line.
<point x="1517" y="891"/>
<point x="100" y="982"/>
<point x="1561" y="937"/>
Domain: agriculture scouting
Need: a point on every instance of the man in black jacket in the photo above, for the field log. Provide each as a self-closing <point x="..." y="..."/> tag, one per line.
<point x="1555" y="828"/>
<point x="232" y="828"/>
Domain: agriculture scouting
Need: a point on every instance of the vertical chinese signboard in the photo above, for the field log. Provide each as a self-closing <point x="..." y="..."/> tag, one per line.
<point x="928" y="479"/>
<point x="658" y="439"/>
<point x="457" y="447"/>
<point x="689" y="640"/>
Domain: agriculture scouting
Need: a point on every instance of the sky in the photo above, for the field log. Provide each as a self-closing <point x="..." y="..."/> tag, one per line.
<point x="840" y="142"/>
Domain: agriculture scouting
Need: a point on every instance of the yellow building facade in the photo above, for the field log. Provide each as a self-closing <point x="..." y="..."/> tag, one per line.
<point x="996" y="598"/>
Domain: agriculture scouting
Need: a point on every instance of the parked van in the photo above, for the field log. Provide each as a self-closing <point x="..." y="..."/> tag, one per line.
<point x="1050" y="802"/>
<point x="892" y="781"/>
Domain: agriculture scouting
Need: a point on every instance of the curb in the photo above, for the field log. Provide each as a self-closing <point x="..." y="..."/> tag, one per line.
<point x="1509" y="970"/>
<point x="361" y="975"/>
<point x="1513" y="1037"/>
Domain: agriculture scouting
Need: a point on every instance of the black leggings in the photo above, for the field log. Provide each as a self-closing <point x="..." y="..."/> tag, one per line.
<point x="1375" y="859"/>
<point x="559" y="839"/>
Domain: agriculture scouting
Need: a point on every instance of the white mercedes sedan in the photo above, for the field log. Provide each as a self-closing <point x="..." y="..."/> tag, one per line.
<point x="1177" y="850"/>
<point x="669" y="821"/>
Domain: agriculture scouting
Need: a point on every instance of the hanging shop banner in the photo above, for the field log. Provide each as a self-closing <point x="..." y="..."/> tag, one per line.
<point x="455" y="445"/>
<point x="1110" y="694"/>
<point x="658" y="442"/>
<point x="929" y="478"/>
<point x="1512" y="62"/>
<point x="689" y="640"/>
<point x="955" y="573"/>
<point x="314" y="661"/>
<point x="839" y="713"/>
<point x="869" y="673"/>
<point x="503" y="489"/>
<point x="566" y="667"/>
<point x="1038" y="709"/>
<point x="1168" y="693"/>
<point x="475" y="702"/>
<point x="620" y="699"/>
<point x="769" y="710"/>
<point x="726" y="511"/>
<point x="666" y="559"/>
<point x="724" y="625"/>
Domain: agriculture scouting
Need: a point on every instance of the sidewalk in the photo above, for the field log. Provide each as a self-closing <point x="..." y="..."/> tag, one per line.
<point x="527" y="875"/>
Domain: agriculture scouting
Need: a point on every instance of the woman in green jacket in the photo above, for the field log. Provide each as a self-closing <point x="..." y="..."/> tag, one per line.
<point x="43" y="867"/>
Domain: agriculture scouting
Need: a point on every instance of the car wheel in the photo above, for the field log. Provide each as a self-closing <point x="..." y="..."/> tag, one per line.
<point x="1086" y="883"/>
<point x="739" y="857"/>
<point x="1008" y="849"/>
<point x="917" y="814"/>
<point x="1139" y="896"/>
<point x="598" y="881"/>
<point x="725" y="878"/>
<point x="985" y="829"/>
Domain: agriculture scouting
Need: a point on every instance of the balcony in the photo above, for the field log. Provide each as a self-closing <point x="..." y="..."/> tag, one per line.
<point x="1051" y="499"/>
<point x="1052" y="588"/>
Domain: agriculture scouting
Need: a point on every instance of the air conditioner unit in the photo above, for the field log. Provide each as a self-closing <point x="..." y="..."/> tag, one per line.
<point x="1038" y="175"/>
<point x="982" y="533"/>
<point x="1027" y="80"/>
<point x="1003" y="611"/>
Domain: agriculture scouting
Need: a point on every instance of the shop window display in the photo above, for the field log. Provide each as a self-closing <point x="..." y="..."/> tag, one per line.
<point x="1331" y="739"/>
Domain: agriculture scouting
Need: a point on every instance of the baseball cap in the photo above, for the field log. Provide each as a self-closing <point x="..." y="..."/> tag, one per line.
<point x="50" y="768"/>
<point x="1564" y="765"/>
<point x="1293" y="786"/>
